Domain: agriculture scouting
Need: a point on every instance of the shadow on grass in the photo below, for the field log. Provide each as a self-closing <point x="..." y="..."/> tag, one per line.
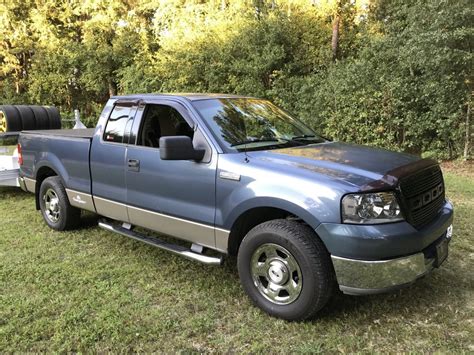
<point x="433" y="292"/>
<point x="88" y="220"/>
<point x="11" y="191"/>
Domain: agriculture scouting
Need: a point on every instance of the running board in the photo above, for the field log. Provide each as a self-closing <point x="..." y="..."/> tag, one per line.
<point x="176" y="249"/>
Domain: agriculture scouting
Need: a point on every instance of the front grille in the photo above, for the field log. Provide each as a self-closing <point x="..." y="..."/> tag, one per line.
<point x="423" y="195"/>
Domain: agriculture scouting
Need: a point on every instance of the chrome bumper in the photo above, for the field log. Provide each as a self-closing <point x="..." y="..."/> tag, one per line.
<point x="361" y="277"/>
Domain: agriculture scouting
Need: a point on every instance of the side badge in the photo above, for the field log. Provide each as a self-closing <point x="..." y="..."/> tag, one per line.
<point x="78" y="199"/>
<point x="229" y="175"/>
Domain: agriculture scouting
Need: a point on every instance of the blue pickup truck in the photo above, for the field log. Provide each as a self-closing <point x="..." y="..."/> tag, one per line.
<point x="234" y="175"/>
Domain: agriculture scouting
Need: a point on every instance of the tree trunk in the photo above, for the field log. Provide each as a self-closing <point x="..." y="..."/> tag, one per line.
<point x="17" y="82"/>
<point x="112" y="88"/>
<point x="467" y="142"/>
<point x="335" y="36"/>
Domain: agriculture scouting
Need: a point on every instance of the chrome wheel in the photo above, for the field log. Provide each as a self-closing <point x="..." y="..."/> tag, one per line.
<point x="51" y="205"/>
<point x="3" y="123"/>
<point x="276" y="274"/>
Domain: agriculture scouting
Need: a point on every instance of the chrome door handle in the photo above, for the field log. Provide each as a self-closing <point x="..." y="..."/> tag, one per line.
<point x="133" y="164"/>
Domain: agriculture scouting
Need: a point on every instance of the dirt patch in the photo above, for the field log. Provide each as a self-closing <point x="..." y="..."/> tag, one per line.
<point x="463" y="168"/>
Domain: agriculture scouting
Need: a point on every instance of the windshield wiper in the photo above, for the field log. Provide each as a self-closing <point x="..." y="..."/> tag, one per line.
<point x="249" y="141"/>
<point x="304" y="136"/>
<point x="308" y="139"/>
<point x="280" y="140"/>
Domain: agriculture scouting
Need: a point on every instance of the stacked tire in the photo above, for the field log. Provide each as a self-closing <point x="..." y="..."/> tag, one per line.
<point x="15" y="118"/>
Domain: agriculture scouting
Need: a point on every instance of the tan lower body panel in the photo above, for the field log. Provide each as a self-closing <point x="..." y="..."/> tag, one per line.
<point x="30" y="184"/>
<point x="111" y="209"/>
<point x="222" y="240"/>
<point x="81" y="200"/>
<point x="205" y="235"/>
<point x="176" y="227"/>
<point x="202" y="234"/>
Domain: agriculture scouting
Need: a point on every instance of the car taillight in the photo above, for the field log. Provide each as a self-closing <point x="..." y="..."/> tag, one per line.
<point x="20" y="156"/>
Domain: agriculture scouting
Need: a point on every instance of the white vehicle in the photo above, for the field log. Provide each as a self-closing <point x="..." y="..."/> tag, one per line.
<point x="9" y="166"/>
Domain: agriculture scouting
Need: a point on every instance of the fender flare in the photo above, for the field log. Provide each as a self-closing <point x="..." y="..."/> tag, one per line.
<point x="272" y="202"/>
<point x="52" y="163"/>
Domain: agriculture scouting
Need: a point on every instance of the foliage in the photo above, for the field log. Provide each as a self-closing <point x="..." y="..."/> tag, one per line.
<point x="402" y="78"/>
<point x="407" y="88"/>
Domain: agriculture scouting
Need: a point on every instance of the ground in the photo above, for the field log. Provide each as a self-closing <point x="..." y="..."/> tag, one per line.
<point x="92" y="290"/>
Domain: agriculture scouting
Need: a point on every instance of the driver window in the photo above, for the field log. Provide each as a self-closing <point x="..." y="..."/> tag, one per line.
<point x="159" y="121"/>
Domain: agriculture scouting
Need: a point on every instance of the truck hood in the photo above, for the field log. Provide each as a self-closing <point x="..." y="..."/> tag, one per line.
<point x="365" y="167"/>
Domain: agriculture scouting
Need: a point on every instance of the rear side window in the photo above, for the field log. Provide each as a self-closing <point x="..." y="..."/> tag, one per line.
<point x="115" y="128"/>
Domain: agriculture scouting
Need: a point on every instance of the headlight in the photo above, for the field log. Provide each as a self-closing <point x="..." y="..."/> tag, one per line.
<point x="371" y="208"/>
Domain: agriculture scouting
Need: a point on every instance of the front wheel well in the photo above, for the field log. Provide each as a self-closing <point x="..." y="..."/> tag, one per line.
<point x="42" y="174"/>
<point x="251" y="218"/>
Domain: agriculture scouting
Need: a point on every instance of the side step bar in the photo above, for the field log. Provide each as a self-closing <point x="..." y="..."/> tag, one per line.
<point x="176" y="249"/>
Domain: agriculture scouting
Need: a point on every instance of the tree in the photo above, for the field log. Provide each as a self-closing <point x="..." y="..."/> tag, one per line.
<point x="390" y="73"/>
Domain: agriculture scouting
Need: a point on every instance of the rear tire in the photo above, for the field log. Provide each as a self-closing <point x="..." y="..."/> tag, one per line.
<point x="285" y="269"/>
<point x="55" y="207"/>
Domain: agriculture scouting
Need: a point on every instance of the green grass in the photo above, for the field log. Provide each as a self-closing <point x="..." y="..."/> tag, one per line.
<point x="90" y="290"/>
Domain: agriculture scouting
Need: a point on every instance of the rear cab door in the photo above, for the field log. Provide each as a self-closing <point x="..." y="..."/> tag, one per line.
<point x="108" y="161"/>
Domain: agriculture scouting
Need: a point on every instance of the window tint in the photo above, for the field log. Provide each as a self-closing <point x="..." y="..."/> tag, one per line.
<point x="115" y="128"/>
<point x="159" y="121"/>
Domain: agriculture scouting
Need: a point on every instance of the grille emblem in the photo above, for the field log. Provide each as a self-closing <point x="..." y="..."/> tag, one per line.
<point x="426" y="197"/>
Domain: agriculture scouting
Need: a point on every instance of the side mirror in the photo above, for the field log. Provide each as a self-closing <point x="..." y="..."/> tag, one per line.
<point x="179" y="148"/>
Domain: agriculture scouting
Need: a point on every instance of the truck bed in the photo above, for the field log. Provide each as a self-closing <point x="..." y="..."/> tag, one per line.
<point x="87" y="133"/>
<point x="65" y="151"/>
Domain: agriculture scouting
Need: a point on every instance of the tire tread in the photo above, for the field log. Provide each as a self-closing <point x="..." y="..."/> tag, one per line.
<point x="71" y="218"/>
<point x="316" y="251"/>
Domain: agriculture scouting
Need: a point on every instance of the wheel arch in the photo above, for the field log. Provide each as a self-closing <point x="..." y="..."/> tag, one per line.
<point x="252" y="216"/>
<point x="42" y="174"/>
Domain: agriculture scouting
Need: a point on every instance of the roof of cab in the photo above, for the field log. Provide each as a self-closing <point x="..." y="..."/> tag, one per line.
<point x="188" y="96"/>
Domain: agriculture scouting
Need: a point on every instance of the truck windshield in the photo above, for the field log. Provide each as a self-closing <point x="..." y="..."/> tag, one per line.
<point x="253" y="124"/>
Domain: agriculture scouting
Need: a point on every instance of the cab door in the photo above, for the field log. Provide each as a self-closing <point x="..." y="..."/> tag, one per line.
<point x="171" y="197"/>
<point x="108" y="163"/>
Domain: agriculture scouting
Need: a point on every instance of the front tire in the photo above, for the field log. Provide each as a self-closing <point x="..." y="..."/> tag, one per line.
<point x="285" y="269"/>
<point x="55" y="207"/>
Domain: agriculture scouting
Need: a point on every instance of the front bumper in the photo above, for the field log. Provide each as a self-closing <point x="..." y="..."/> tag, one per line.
<point x="382" y="241"/>
<point x="361" y="277"/>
